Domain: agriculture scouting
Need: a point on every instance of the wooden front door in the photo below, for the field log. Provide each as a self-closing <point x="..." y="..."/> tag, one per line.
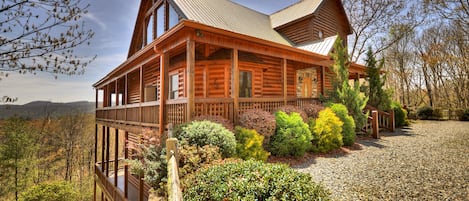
<point x="306" y="87"/>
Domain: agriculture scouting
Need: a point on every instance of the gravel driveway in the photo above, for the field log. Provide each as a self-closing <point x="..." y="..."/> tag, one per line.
<point x="427" y="161"/>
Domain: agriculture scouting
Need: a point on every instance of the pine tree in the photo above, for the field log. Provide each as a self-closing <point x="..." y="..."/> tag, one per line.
<point x="17" y="148"/>
<point x="378" y="97"/>
<point x="342" y="91"/>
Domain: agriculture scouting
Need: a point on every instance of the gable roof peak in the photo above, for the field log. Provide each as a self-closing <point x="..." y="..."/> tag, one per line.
<point x="295" y="11"/>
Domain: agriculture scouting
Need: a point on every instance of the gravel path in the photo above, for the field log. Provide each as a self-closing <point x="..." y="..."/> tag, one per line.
<point x="427" y="161"/>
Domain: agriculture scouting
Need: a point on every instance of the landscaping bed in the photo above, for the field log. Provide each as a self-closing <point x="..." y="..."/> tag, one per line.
<point x="427" y="161"/>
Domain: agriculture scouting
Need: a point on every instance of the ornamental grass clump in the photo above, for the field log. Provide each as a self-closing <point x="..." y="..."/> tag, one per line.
<point x="326" y="131"/>
<point x="253" y="180"/>
<point x="292" y="137"/>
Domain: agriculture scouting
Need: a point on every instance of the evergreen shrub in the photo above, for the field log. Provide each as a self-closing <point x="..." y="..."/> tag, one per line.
<point x="249" y="145"/>
<point x="203" y="133"/>
<point x="253" y="180"/>
<point x="425" y="112"/>
<point x="292" y="137"/>
<point x="289" y="109"/>
<point x="348" y="128"/>
<point x="216" y="119"/>
<point x="464" y="115"/>
<point x="326" y="131"/>
<point x="400" y="115"/>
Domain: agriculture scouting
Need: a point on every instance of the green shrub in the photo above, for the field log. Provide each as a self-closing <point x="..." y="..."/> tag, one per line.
<point x="203" y="133"/>
<point x="289" y="109"/>
<point x="437" y="114"/>
<point x="249" y="145"/>
<point x="216" y="119"/>
<point x="312" y="110"/>
<point x="465" y="115"/>
<point x="400" y="115"/>
<point x="55" y="191"/>
<point x="253" y="180"/>
<point x="292" y="137"/>
<point x="261" y="121"/>
<point x="149" y="159"/>
<point x="193" y="158"/>
<point x="348" y="128"/>
<point x="425" y="112"/>
<point x="326" y="131"/>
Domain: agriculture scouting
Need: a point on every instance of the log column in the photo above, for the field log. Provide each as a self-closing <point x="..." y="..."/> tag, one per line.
<point x="116" y="156"/>
<point x="164" y="65"/>
<point x="323" y="80"/>
<point x="235" y="84"/>
<point x="190" y="74"/>
<point x="285" y="81"/>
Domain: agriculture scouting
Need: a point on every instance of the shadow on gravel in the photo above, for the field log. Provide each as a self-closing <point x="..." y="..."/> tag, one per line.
<point x="404" y="131"/>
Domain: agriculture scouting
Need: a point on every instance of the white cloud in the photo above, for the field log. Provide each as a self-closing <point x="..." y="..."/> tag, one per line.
<point x="90" y="16"/>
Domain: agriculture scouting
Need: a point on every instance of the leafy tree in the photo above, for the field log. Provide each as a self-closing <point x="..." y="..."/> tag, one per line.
<point x="41" y="35"/>
<point x="378" y="96"/>
<point x="17" y="148"/>
<point x="54" y="191"/>
<point x="342" y="91"/>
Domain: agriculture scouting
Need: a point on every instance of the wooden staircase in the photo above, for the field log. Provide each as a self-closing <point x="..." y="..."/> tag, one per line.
<point x="378" y="120"/>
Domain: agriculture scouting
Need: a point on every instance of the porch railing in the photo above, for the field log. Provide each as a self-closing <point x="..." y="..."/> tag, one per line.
<point x="140" y="112"/>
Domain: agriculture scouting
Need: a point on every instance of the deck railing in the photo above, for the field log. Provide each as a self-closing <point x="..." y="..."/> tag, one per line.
<point x="147" y="112"/>
<point x="176" y="110"/>
<point x="108" y="187"/>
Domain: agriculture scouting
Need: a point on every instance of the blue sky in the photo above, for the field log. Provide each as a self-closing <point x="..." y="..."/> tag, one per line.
<point x="113" y="23"/>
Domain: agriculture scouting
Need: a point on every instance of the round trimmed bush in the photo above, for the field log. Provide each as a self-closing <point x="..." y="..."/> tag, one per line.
<point x="261" y="121"/>
<point x="326" y="131"/>
<point x="217" y="119"/>
<point x="203" y="133"/>
<point x="292" y="138"/>
<point x="312" y="110"/>
<point x="253" y="180"/>
<point x="425" y="112"/>
<point x="348" y="128"/>
<point x="400" y="115"/>
<point x="289" y="109"/>
<point x="464" y="116"/>
<point x="249" y="145"/>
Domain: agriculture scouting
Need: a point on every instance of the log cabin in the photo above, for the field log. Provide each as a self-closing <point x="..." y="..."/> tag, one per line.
<point x="189" y="58"/>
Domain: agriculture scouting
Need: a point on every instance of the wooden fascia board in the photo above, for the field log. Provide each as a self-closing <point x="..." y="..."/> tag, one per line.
<point x="203" y="27"/>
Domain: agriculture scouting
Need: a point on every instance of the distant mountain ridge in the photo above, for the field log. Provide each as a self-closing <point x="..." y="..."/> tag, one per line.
<point x="39" y="109"/>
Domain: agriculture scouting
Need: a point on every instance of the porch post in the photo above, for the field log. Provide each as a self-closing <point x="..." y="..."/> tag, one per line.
<point x="190" y="71"/>
<point x="285" y="81"/>
<point x="141" y="95"/>
<point x="95" y="152"/>
<point x="323" y="80"/>
<point x="126" y="167"/>
<point x="102" y="147"/>
<point x="108" y="143"/>
<point x="164" y="65"/>
<point x="235" y="84"/>
<point x="116" y="156"/>
<point x="117" y="96"/>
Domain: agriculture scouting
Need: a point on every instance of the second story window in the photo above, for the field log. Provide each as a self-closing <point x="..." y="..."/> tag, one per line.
<point x="160" y="20"/>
